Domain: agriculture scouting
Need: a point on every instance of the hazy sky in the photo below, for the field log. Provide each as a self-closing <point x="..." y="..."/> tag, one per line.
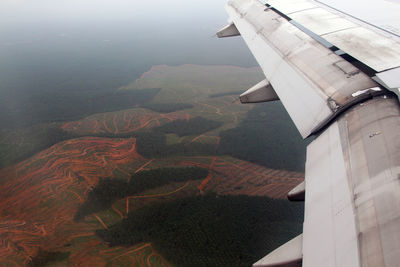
<point x="79" y="44"/>
<point x="22" y="11"/>
<point x="25" y="21"/>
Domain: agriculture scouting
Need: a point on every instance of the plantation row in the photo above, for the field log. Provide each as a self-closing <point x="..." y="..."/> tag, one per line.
<point x="210" y="230"/>
<point x="109" y="190"/>
<point x="266" y="137"/>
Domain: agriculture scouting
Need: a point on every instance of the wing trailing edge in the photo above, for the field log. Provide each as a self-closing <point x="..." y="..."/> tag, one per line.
<point x="334" y="75"/>
<point x="310" y="79"/>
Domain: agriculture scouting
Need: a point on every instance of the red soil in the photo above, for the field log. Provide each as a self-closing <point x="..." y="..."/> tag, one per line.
<point x="40" y="196"/>
<point x="121" y="122"/>
<point x="154" y="195"/>
<point x="235" y="177"/>
<point x="209" y="176"/>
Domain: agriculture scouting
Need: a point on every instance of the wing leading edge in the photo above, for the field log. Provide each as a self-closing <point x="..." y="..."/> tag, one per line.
<point x="317" y="62"/>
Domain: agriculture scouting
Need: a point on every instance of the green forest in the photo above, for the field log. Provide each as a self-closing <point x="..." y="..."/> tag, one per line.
<point x="19" y="144"/>
<point x="210" y="230"/>
<point x="194" y="126"/>
<point x="234" y="93"/>
<point x="20" y="139"/>
<point x="266" y="137"/>
<point x="166" y="107"/>
<point x="69" y="106"/>
<point x="154" y="145"/>
<point x="109" y="190"/>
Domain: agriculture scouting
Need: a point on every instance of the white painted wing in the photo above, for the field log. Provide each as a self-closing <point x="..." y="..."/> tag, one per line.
<point x="330" y="70"/>
<point x="311" y="80"/>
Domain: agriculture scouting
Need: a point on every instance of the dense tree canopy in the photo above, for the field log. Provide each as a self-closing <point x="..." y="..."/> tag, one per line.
<point x="69" y="106"/>
<point x="196" y="125"/>
<point x="108" y="190"/>
<point x="167" y="107"/>
<point x="210" y="230"/>
<point x="234" y="93"/>
<point x="266" y="137"/>
<point x="46" y="258"/>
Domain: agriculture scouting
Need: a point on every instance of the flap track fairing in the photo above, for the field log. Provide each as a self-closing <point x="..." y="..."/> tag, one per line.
<point x="261" y="92"/>
<point x="289" y="254"/>
<point x="297" y="193"/>
<point x="228" y="31"/>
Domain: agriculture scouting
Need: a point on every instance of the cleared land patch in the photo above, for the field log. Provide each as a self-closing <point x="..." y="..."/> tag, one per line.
<point x="109" y="190"/>
<point x="121" y="122"/>
<point x="41" y="194"/>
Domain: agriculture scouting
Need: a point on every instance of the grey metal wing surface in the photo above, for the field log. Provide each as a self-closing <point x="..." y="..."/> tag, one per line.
<point x="337" y="73"/>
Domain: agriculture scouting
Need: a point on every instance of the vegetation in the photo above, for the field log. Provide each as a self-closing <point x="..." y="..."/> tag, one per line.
<point x="266" y="137"/>
<point x="56" y="106"/>
<point x="194" y="126"/>
<point x="19" y="144"/>
<point x="108" y="190"/>
<point x="154" y="144"/>
<point x="46" y="258"/>
<point x="236" y="93"/>
<point x="167" y="107"/>
<point x="210" y="230"/>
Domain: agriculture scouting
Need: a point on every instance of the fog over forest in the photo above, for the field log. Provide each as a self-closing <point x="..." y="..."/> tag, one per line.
<point x="66" y="46"/>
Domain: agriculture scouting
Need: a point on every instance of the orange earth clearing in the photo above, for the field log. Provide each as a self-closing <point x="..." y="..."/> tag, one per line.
<point x="40" y="196"/>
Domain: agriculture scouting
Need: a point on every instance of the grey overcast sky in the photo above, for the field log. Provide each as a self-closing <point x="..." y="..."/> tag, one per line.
<point x="45" y="42"/>
<point x="20" y="11"/>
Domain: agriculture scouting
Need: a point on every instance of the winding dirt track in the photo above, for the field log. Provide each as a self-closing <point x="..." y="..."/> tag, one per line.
<point x="40" y="196"/>
<point x="122" y="122"/>
<point x="209" y="176"/>
<point x="154" y="195"/>
<point x="233" y="176"/>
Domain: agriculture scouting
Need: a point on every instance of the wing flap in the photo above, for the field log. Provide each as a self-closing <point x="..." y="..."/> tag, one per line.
<point x="352" y="193"/>
<point x="391" y="78"/>
<point x="370" y="45"/>
<point x="308" y="78"/>
<point x="376" y="51"/>
<point x="288" y="7"/>
<point x="352" y="190"/>
<point x="321" y="22"/>
<point x="329" y="232"/>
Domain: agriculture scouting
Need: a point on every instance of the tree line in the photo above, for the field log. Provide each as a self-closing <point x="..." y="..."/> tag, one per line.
<point x="267" y="137"/>
<point x="61" y="106"/>
<point x="109" y="190"/>
<point x="210" y="230"/>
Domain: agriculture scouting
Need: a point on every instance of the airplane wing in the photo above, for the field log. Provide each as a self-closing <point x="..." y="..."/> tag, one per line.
<point x="335" y="65"/>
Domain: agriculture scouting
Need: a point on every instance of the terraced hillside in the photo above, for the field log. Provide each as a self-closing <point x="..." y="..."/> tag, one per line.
<point x="121" y="122"/>
<point x="41" y="194"/>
